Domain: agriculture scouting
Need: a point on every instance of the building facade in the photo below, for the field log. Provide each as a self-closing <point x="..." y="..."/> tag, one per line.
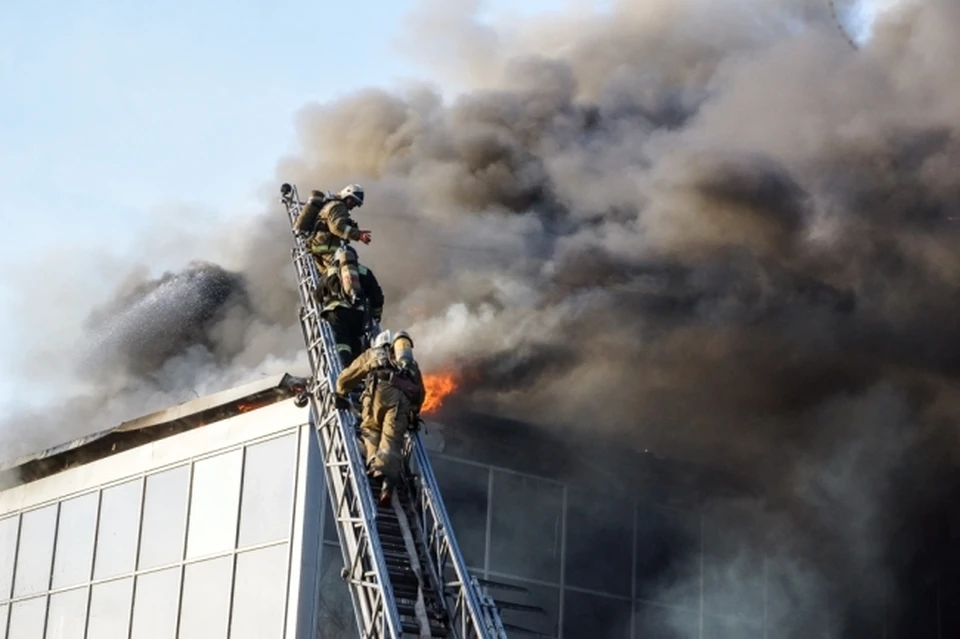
<point x="198" y="535"/>
<point x="221" y="530"/>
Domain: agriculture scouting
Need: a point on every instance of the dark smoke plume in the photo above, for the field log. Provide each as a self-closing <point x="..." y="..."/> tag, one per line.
<point x="709" y="229"/>
<point x="161" y="319"/>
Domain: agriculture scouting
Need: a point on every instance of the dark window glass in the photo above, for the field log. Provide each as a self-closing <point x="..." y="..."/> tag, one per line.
<point x="793" y="609"/>
<point x="599" y="542"/>
<point x="329" y="523"/>
<point x="464" y="488"/>
<point x="727" y="628"/>
<point x="595" y="616"/>
<point x="546" y="598"/>
<point x="526" y="530"/>
<point x="335" y="618"/>
<point x="656" y="621"/>
<point x="668" y="552"/>
<point x="732" y="566"/>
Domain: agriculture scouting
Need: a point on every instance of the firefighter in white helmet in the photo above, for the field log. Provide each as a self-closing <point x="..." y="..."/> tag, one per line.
<point x="326" y="224"/>
<point x="392" y="397"/>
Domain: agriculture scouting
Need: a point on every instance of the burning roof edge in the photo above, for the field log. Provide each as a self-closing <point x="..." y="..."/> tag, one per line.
<point x="151" y="427"/>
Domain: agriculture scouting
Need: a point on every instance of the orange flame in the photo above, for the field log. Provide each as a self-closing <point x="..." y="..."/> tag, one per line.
<point x="246" y="407"/>
<point x="438" y="386"/>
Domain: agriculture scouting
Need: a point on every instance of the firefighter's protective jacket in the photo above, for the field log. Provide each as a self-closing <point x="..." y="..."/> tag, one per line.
<point x="391" y="404"/>
<point x="328" y="226"/>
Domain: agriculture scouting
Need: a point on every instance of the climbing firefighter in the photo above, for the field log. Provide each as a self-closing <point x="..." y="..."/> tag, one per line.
<point x="351" y="321"/>
<point x="392" y="397"/>
<point x="326" y="225"/>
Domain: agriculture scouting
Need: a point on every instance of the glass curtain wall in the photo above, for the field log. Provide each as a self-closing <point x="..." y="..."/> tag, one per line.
<point x="599" y="567"/>
<point x="197" y="550"/>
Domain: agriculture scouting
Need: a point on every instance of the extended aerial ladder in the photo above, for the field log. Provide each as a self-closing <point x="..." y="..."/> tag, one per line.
<point x="403" y="567"/>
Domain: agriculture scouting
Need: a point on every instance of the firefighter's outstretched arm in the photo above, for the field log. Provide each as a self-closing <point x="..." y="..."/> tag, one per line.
<point x="356" y="372"/>
<point x="340" y="223"/>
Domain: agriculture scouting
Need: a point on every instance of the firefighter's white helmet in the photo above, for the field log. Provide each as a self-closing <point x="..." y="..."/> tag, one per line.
<point x="353" y="192"/>
<point x="383" y="338"/>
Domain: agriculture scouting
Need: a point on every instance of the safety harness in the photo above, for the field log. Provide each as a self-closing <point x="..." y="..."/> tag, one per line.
<point x="386" y="371"/>
<point x="322" y="241"/>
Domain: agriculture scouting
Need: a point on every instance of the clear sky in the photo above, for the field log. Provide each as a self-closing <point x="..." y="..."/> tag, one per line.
<point x="111" y="110"/>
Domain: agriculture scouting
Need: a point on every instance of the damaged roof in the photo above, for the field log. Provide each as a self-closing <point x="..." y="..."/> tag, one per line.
<point x="148" y="428"/>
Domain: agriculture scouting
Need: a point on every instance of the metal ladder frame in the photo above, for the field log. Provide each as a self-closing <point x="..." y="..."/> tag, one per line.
<point x="473" y="613"/>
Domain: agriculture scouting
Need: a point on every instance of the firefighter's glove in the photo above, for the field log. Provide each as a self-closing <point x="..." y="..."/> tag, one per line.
<point x="342" y="403"/>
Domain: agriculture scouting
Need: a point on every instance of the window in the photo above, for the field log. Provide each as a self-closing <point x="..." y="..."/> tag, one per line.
<point x="794" y="609"/>
<point x="335" y="616"/>
<point x="164" y="517"/>
<point x="726" y="628"/>
<point x="75" y="537"/>
<point x="732" y="567"/>
<point x="260" y="594"/>
<point x="668" y="551"/>
<point x="8" y="553"/>
<point x="68" y="614"/>
<point x="35" y="555"/>
<point x="214" y="501"/>
<point x="268" y="482"/>
<point x="27" y="617"/>
<point x="464" y="489"/>
<point x="155" y="605"/>
<point x="596" y="617"/>
<point x="110" y="609"/>
<point x="665" y="622"/>
<point x="118" y="530"/>
<point x="329" y="523"/>
<point x="526" y="528"/>
<point x="205" y="604"/>
<point x="545" y="597"/>
<point x="599" y="542"/>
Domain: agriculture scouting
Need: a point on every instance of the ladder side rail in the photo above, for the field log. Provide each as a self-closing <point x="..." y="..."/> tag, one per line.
<point x="367" y="602"/>
<point x="354" y="543"/>
<point x="374" y="600"/>
<point x="484" y="622"/>
<point x="341" y="434"/>
<point x="362" y="544"/>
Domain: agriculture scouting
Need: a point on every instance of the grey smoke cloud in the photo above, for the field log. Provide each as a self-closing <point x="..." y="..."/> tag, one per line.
<point x="707" y="229"/>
